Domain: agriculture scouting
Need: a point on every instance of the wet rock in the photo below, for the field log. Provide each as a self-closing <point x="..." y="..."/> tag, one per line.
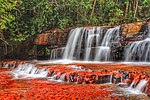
<point x="135" y="97"/>
<point x="70" y="75"/>
<point x="123" y="85"/>
<point x="50" y="73"/>
<point x="127" y="81"/>
<point x="131" y="28"/>
<point x="147" y="88"/>
<point x="104" y="79"/>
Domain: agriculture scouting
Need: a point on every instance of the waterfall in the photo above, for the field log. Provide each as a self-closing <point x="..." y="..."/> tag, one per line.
<point x="103" y="51"/>
<point x="75" y="39"/>
<point x="138" y="51"/>
<point x="89" y="45"/>
<point x="82" y="38"/>
<point x="92" y="34"/>
<point x="83" y="41"/>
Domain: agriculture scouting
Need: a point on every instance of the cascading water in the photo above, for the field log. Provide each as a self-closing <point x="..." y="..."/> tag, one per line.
<point x="88" y="47"/>
<point x="148" y="31"/>
<point x="111" y="78"/>
<point x="102" y="53"/>
<point x="111" y="34"/>
<point x="82" y="42"/>
<point x="131" y="85"/>
<point x="75" y="35"/>
<point x="139" y="50"/>
<point x="90" y="38"/>
<point x="62" y="78"/>
<point x="29" y="70"/>
<point x="56" y="52"/>
<point x="139" y="87"/>
<point x="93" y="44"/>
<point x="82" y="39"/>
<point x="78" y="75"/>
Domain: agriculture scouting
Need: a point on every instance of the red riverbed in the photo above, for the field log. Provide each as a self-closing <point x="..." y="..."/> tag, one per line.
<point x="42" y="89"/>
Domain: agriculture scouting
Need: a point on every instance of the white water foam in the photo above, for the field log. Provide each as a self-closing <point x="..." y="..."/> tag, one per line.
<point x="137" y="89"/>
<point x="90" y="62"/>
<point x="29" y="71"/>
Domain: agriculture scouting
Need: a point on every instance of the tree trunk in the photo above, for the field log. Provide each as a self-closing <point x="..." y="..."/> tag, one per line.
<point x="136" y="6"/>
<point x="126" y="9"/>
<point x="93" y="8"/>
<point x="4" y="43"/>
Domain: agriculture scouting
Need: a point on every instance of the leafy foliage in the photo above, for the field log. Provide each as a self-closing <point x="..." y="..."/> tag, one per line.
<point x="21" y="19"/>
<point x="6" y="8"/>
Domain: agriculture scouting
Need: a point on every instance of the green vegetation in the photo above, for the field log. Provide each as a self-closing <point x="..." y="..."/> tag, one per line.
<point x="21" y="19"/>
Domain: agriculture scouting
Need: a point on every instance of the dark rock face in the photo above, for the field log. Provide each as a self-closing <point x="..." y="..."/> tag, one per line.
<point x="55" y="38"/>
<point x="147" y="88"/>
<point x="134" y="32"/>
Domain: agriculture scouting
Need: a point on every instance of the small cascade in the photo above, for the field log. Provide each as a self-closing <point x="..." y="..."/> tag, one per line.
<point x="139" y="87"/>
<point x="62" y="78"/>
<point x="29" y="70"/>
<point x="57" y="53"/>
<point x="105" y="79"/>
<point x="139" y="50"/>
<point x="80" y="75"/>
<point x="54" y="77"/>
<point x="131" y="85"/>
<point x="111" y="78"/>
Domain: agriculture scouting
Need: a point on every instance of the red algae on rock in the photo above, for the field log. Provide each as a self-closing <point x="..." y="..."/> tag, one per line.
<point x="43" y="90"/>
<point x="29" y="89"/>
<point x="81" y="83"/>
